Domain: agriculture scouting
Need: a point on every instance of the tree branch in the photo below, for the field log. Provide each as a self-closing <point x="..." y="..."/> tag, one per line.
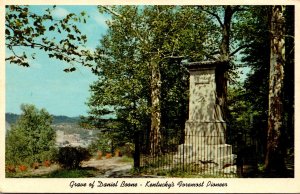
<point x="114" y="13"/>
<point x="239" y="48"/>
<point x="125" y="20"/>
<point x="52" y="49"/>
<point x="213" y="14"/>
<point x="174" y="57"/>
<point x="238" y="8"/>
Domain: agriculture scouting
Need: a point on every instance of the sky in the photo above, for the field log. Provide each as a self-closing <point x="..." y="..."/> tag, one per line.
<point x="44" y="83"/>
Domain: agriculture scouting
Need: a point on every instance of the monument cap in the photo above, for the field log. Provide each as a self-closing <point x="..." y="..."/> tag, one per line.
<point x="206" y="64"/>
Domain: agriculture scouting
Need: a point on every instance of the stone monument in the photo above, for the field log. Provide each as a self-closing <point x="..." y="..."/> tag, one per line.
<point x="205" y="129"/>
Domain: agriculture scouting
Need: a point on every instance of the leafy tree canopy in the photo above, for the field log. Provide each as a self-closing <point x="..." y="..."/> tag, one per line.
<point x="25" y="29"/>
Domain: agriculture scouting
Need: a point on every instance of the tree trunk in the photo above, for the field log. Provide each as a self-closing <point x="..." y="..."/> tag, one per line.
<point x="137" y="153"/>
<point x="274" y="160"/>
<point x="155" y="134"/>
<point x="224" y="47"/>
<point x="221" y="74"/>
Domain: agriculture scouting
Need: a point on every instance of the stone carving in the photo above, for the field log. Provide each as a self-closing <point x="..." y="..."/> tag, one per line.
<point x="205" y="128"/>
<point x="202" y="79"/>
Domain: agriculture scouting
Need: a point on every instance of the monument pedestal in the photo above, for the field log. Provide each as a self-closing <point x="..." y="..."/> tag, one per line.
<point x="202" y="150"/>
<point x="205" y="130"/>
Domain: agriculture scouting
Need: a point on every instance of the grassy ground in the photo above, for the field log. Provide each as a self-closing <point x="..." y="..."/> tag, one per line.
<point x="75" y="173"/>
<point x="59" y="173"/>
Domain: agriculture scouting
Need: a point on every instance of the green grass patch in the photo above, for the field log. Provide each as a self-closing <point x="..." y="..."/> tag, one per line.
<point x="75" y="173"/>
<point x="189" y="171"/>
<point x="16" y="174"/>
<point x="127" y="159"/>
<point x="60" y="173"/>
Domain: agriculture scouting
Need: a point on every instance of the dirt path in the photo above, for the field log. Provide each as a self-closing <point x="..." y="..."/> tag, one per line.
<point x="112" y="167"/>
<point x="105" y="168"/>
<point x="44" y="170"/>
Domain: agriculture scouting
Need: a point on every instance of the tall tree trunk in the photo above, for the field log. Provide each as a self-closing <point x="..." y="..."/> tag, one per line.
<point x="155" y="134"/>
<point x="224" y="47"/>
<point x="274" y="160"/>
<point x="221" y="74"/>
<point x="137" y="152"/>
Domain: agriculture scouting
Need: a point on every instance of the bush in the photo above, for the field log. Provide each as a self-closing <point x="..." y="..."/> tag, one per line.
<point x="10" y="168"/>
<point x="31" y="139"/>
<point x="71" y="157"/>
<point x="127" y="149"/>
<point x="103" y="144"/>
<point x="22" y="168"/>
<point x="35" y="165"/>
<point x="47" y="163"/>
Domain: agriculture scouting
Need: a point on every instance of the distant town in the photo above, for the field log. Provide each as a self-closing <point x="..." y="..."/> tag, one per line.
<point x="68" y="132"/>
<point x="77" y="137"/>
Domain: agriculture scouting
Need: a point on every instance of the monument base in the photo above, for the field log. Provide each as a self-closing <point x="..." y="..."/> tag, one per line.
<point x="205" y="145"/>
<point x="220" y="155"/>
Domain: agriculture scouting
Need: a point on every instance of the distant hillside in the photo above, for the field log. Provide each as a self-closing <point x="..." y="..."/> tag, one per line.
<point x="12" y="118"/>
<point x="67" y="125"/>
<point x="7" y="127"/>
<point x="65" y="119"/>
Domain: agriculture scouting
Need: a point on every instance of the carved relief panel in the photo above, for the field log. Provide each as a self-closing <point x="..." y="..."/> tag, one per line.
<point x="202" y="95"/>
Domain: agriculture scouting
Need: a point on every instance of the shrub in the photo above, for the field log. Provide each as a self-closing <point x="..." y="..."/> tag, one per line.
<point x="99" y="155"/>
<point x="47" y="163"/>
<point x="103" y="143"/>
<point x="127" y="159"/>
<point x="71" y="157"/>
<point x="31" y="139"/>
<point x="108" y="155"/>
<point x="35" y="165"/>
<point x="127" y="149"/>
<point x="118" y="153"/>
<point x="22" y="168"/>
<point x="11" y="168"/>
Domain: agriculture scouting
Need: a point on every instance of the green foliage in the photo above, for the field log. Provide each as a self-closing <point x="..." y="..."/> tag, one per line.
<point x="248" y="102"/>
<point x="246" y="127"/>
<point x="241" y="111"/>
<point x="32" y="138"/>
<point x="27" y="29"/>
<point x="103" y="143"/>
<point x="174" y="105"/>
<point x="127" y="159"/>
<point x="71" y="157"/>
<point x="127" y="149"/>
<point x="136" y="37"/>
<point x="168" y="35"/>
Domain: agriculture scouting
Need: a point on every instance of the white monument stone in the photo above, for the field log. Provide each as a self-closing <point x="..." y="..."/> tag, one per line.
<point x="205" y="128"/>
